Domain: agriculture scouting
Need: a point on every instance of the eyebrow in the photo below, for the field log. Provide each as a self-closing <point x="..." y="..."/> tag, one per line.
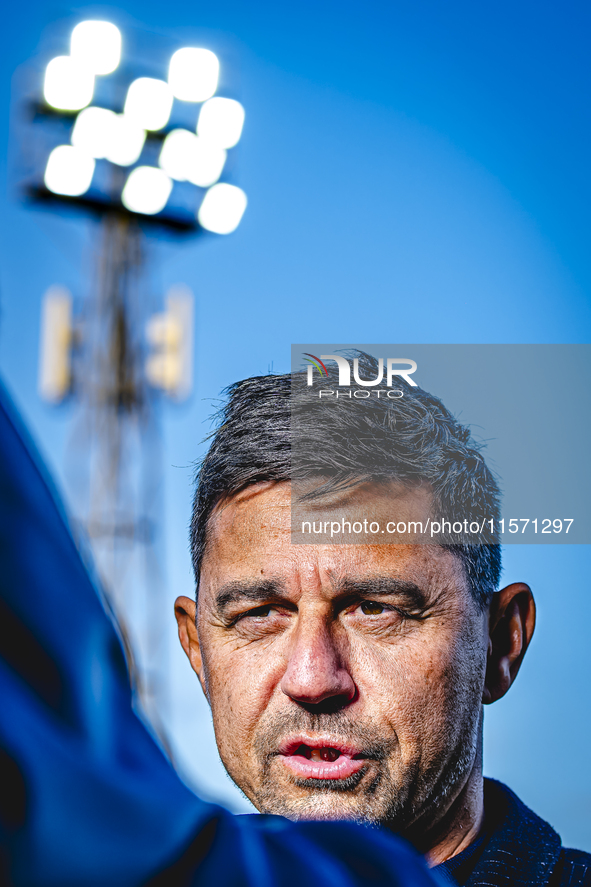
<point x="382" y="586"/>
<point x="253" y="592"/>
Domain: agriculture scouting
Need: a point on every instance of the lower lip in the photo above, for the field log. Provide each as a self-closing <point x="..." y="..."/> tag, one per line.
<point x="307" y="769"/>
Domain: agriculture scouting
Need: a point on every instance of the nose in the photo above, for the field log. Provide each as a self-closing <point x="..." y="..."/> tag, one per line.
<point x="316" y="673"/>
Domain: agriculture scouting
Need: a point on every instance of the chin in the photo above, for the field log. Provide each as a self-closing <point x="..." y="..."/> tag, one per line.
<point x="320" y="806"/>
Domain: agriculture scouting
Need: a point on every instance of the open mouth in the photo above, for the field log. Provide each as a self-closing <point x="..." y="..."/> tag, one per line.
<point x="320" y="758"/>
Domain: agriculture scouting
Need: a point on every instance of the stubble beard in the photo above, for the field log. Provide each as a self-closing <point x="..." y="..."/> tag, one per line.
<point x="397" y="800"/>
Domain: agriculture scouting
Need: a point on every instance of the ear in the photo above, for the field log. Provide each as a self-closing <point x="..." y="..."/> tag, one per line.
<point x="185" y="612"/>
<point x="511" y="626"/>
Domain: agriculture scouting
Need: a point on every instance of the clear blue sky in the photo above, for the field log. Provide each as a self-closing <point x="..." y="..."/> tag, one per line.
<point x="416" y="172"/>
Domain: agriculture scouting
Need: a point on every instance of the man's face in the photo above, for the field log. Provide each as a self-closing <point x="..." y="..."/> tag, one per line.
<point x="345" y="681"/>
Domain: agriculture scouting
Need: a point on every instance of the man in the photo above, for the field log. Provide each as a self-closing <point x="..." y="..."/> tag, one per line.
<point x="347" y="677"/>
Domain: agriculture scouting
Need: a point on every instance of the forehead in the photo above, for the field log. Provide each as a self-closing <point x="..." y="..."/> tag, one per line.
<point x="249" y="536"/>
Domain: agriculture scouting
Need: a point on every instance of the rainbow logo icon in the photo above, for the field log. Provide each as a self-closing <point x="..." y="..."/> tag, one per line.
<point x="315" y="361"/>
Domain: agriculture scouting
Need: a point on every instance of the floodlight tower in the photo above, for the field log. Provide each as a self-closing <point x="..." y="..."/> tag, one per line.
<point x="128" y="163"/>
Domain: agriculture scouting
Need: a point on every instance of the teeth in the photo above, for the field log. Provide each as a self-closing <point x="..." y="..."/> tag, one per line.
<point x="324" y="754"/>
<point x="318" y="754"/>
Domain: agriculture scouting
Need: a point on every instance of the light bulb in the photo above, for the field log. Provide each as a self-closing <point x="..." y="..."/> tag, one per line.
<point x="221" y="121"/>
<point x="222" y="208"/>
<point x="193" y="74"/>
<point x="97" y="46"/>
<point x="94" y="131"/>
<point x="149" y="103"/>
<point x="69" y="171"/>
<point x="187" y="158"/>
<point x="68" y="85"/>
<point x="146" y="190"/>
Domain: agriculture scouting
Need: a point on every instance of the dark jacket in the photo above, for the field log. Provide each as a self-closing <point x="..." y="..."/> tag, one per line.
<point x="518" y="850"/>
<point x="87" y="798"/>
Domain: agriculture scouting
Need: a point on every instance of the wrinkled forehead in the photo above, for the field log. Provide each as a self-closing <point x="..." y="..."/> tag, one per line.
<point x="249" y="536"/>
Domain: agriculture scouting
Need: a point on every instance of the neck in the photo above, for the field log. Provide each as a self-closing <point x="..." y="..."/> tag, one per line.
<point x="460" y="822"/>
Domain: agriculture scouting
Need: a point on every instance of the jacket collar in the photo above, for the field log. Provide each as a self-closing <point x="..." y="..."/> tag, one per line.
<point x="522" y="850"/>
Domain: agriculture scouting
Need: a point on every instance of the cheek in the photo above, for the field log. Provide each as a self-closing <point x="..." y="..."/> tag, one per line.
<point x="424" y="688"/>
<point x="241" y="683"/>
<point x="448" y="711"/>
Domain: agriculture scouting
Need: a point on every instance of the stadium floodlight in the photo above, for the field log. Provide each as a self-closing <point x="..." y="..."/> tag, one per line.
<point x="126" y="141"/>
<point x="131" y="158"/>
<point x="221" y="121"/>
<point x="146" y="190"/>
<point x="97" y="46"/>
<point x="69" y="171"/>
<point x="187" y="158"/>
<point x="193" y="74"/>
<point x="68" y="85"/>
<point x="95" y="131"/>
<point x="141" y="135"/>
<point x="149" y="103"/>
<point x="222" y="208"/>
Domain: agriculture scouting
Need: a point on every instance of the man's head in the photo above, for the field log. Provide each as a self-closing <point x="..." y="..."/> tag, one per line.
<point x="347" y="680"/>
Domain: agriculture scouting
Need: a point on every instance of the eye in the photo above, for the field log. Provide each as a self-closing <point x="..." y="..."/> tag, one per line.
<point x="261" y="622"/>
<point x="258" y="612"/>
<point x="372" y="608"/>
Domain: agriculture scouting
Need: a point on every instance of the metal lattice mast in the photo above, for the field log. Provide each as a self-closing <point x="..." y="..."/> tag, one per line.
<point x="116" y="469"/>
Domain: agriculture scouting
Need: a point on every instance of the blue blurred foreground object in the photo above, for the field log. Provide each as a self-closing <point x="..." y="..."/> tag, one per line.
<point x="87" y="797"/>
